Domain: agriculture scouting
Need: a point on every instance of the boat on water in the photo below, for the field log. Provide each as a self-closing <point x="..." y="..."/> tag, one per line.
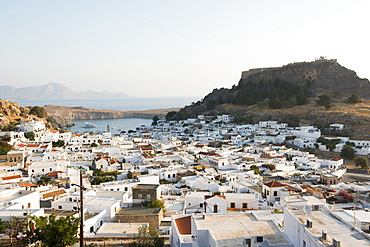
<point x="88" y="125"/>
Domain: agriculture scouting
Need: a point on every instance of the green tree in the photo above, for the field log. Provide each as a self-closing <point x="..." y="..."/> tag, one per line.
<point x="148" y="237"/>
<point x="98" y="172"/>
<point x="53" y="232"/>
<point x="362" y="162"/>
<point x="155" y="120"/>
<point x="275" y="104"/>
<point x="5" y="148"/>
<point x="2" y="226"/>
<point x="44" y="180"/>
<point x="170" y="115"/>
<point x="104" y="179"/>
<point x="347" y="152"/>
<point x="325" y="101"/>
<point x="354" y="98"/>
<point x="6" y="138"/>
<point x="164" y="181"/>
<point x="155" y="203"/>
<point x="30" y="136"/>
<point x="38" y="111"/>
<point x="59" y="143"/>
<point x="12" y="126"/>
<point x="93" y="145"/>
<point x="15" y="225"/>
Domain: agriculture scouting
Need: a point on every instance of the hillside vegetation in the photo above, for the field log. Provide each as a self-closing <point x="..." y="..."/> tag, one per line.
<point x="317" y="93"/>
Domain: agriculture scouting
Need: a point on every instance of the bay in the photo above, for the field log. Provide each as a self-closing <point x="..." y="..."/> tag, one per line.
<point x="115" y="125"/>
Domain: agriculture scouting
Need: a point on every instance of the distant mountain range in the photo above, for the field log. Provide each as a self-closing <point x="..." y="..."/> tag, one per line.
<point x="52" y="91"/>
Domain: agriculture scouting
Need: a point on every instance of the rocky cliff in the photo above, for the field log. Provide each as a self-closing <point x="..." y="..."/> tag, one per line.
<point x="322" y="75"/>
<point x="64" y="116"/>
<point x="12" y="112"/>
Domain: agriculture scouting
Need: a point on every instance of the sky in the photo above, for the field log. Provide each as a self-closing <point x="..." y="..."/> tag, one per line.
<point x="169" y="48"/>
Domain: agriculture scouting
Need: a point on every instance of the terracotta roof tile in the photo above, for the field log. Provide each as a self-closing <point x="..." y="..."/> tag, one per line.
<point x="11" y="177"/>
<point x="32" y="145"/>
<point x="28" y="185"/>
<point x="274" y="184"/>
<point x="184" y="225"/>
<point x="53" y="193"/>
<point x="54" y="173"/>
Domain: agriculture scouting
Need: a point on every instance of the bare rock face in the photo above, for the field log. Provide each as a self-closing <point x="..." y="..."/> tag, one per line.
<point x="12" y="112"/>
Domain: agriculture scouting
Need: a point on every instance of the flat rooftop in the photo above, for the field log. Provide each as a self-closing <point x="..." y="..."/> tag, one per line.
<point x="138" y="211"/>
<point x="334" y="226"/>
<point x="109" y="227"/>
<point x="146" y="186"/>
<point x="231" y="229"/>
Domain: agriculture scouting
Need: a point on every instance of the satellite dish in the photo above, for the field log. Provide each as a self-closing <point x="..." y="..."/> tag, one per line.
<point x="307" y="209"/>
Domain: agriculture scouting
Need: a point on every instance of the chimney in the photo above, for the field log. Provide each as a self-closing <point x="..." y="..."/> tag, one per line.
<point x="309" y="223"/>
<point x="324" y="234"/>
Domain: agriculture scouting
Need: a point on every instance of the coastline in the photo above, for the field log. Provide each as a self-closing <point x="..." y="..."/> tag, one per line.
<point x="64" y="116"/>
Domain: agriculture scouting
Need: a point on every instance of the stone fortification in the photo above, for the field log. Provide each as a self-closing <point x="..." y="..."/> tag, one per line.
<point x="322" y="75"/>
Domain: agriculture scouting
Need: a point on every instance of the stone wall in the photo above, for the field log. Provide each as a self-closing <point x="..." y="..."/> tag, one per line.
<point x="154" y="220"/>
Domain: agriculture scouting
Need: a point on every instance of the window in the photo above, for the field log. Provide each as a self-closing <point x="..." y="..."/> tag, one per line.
<point x="201" y="205"/>
<point x="245" y="205"/>
<point x="169" y="175"/>
<point x="148" y="196"/>
<point x="126" y="189"/>
<point x="268" y="192"/>
<point x="232" y="204"/>
<point x="51" y="169"/>
<point x="174" y="175"/>
<point x="275" y="193"/>
<point x="60" y="207"/>
<point x="75" y="208"/>
<point x="140" y="196"/>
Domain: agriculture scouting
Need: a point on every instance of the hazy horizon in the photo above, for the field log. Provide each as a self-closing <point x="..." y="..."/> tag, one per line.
<point x="172" y="49"/>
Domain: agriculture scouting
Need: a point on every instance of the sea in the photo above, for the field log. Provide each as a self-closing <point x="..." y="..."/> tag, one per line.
<point x="124" y="104"/>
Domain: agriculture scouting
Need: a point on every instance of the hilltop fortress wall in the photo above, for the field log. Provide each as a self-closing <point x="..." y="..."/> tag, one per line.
<point x="323" y="76"/>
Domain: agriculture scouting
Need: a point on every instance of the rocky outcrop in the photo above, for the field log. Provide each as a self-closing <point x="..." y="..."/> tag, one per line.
<point x="11" y="112"/>
<point x="64" y="116"/>
<point x="322" y="76"/>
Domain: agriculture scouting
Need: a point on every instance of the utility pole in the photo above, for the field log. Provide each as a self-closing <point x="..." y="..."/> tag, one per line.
<point x="82" y="188"/>
<point x="81" y="210"/>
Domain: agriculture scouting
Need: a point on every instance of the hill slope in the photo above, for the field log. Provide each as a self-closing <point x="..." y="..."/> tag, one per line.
<point x="317" y="78"/>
